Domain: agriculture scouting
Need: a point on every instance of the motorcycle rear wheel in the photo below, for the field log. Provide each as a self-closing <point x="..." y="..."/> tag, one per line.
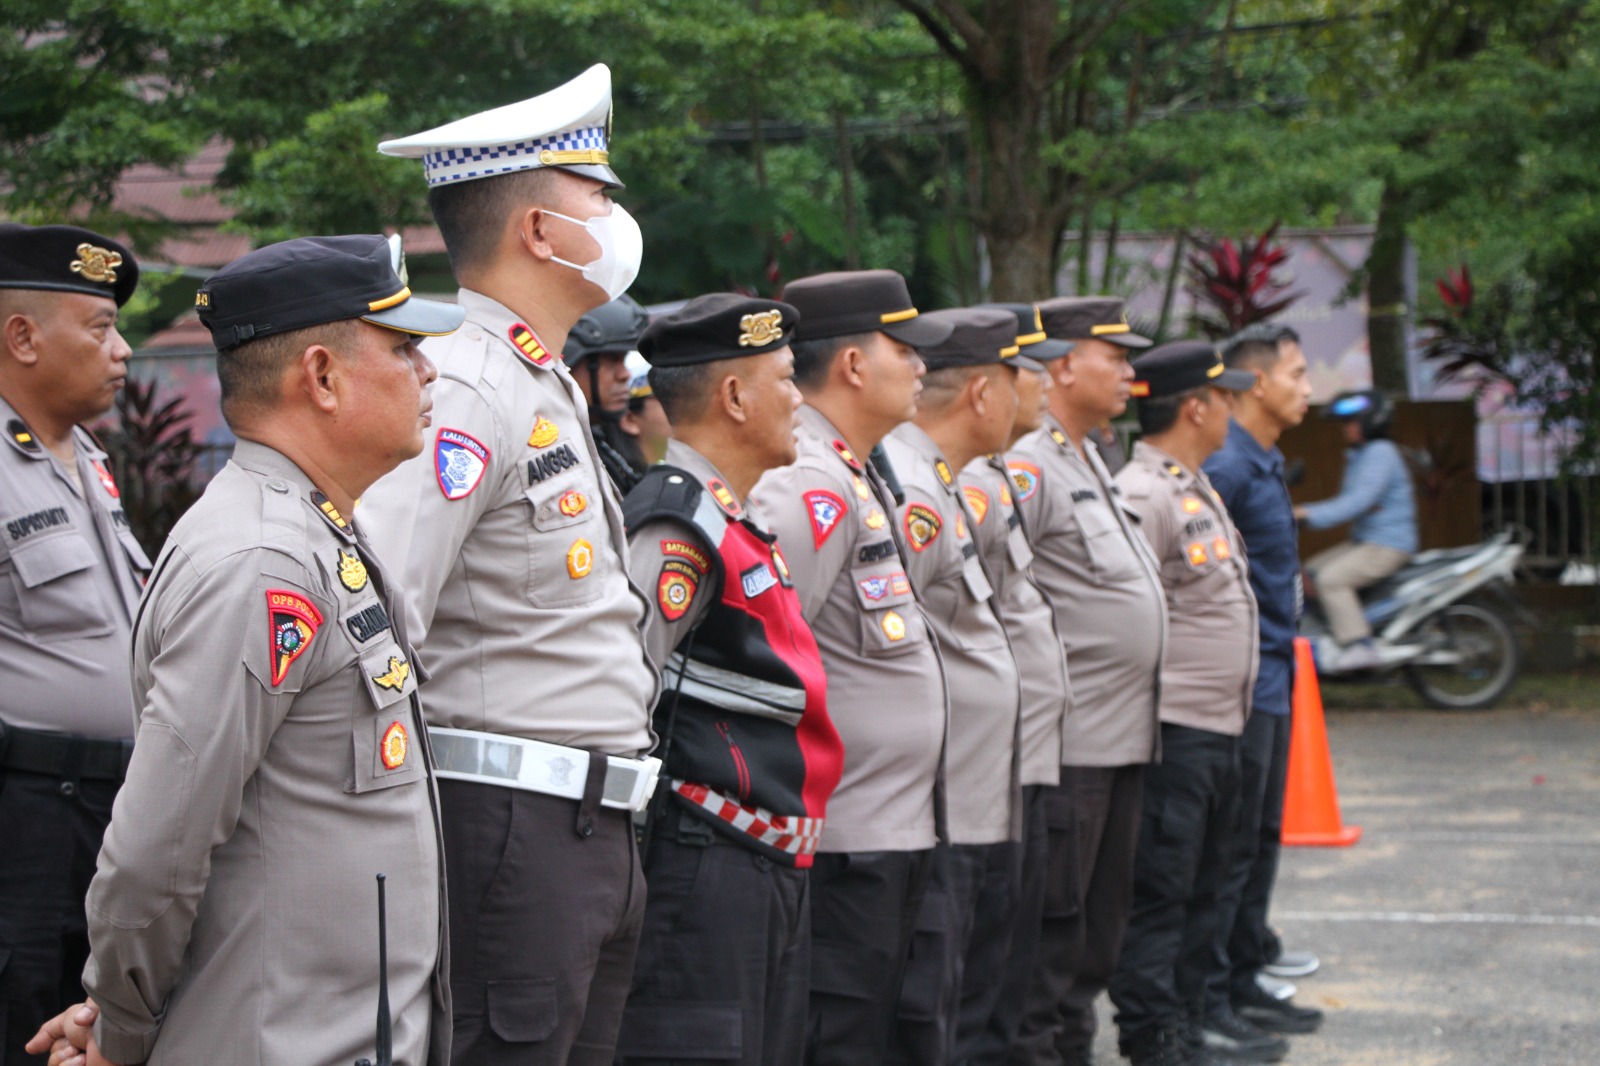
<point x="1490" y="658"/>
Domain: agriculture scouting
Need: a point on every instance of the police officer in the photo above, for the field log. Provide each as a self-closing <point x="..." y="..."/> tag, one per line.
<point x="646" y="421"/>
<point x="1104" y="584"/>
<point x="750" y="754"/>
<point x="1005" y="939"/>
<point x="281" y="762"/>
<point x="70" y="574"/>
<point x="1191" y="796"/>
<point x="596" y="352"/>
<point x="966" y="409"/>
<point x="508" y="536"/>
<point x="856" y="364"/>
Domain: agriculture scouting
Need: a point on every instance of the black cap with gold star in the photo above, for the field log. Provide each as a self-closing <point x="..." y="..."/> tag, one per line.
<point x="66" y="259"/>
<point x="719" y="325"/>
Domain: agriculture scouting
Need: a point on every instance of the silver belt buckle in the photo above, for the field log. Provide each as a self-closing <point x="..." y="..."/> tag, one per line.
<point x="630" y="782"/>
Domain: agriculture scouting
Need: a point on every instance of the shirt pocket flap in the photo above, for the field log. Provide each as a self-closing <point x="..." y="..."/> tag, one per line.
<point x="386" y="750"/>
<point x="976" y="580"/>
<point x="38" y="561"/>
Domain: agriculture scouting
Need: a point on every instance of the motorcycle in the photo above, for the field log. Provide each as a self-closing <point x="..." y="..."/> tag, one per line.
<point x="1444" y="620"/>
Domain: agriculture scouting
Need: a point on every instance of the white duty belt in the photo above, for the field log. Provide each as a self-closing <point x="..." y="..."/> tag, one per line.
<point x="534" y="766"/>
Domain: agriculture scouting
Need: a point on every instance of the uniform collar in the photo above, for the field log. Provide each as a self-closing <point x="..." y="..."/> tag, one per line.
<point x="1054" y="431"/>
<point x="502" y="322"/>
<point x="275" y="467"/>
<point x="817" y="423"/>
<point x="1149" y="455"/>
<point x="690" y="461"/>
<point x="927" y="450"/>
<point x="20" y="436"/>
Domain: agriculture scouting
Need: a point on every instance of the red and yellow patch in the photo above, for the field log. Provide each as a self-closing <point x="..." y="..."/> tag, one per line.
<point x="675" y="589"/>
<point x="572" y="503"/>
<point x="724" y="497"/>
<point x="106" y="481"/>
<point x="580" y="559"/>
<point x="894" y="627"/>
<point x="1197" y="554"/>
<point x="529" y="345"/>
<point x="682" y="549"/>
<point x="978" y="500"/>
<point x="392" y="749"/>
<point x="922" y="525"/>
<point x="1222" y="549"/>
<point x="1139" y="388"/>
<point x="545" y="433"/>
<point x="292" y="622"/>
<point x="847" y="455"/>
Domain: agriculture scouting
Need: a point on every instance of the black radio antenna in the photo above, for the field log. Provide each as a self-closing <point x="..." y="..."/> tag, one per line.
<point x="385" y="1028"/>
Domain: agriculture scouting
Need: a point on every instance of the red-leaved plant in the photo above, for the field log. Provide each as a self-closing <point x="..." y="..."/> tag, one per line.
<point x="1233" y="284"/>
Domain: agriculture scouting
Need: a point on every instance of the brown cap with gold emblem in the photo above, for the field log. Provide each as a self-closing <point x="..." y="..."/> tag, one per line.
<point x="1079" y="318"/>
<point x="860" y="301"/>
<point x="719" y="325"/>
<point x="65" y="259"/>
<point x="979" y="336"/>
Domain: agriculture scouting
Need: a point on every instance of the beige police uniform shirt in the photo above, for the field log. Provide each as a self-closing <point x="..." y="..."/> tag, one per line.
<point x="280" y="765"/>
<point x="985" y="701"/>
<point x="70" y="577"/>
<point x="1104" y="583"/>
<point x="1002" y="539"/>
<point x="507" y="536"/>
<point x="1212" y="638"/>
<point x="836" y="521"/>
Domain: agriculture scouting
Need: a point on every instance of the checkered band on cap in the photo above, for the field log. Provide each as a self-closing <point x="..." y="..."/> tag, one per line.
<point x="465" y="164"/>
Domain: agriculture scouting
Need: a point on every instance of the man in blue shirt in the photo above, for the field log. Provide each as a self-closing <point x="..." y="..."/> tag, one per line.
<point x="1248" y="474"/>
<point x="1376" y="498"/>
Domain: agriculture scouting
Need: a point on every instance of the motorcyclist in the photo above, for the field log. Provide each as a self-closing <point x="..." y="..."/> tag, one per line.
<point x="1376" y="498"/>
<point x="596" y="353"/>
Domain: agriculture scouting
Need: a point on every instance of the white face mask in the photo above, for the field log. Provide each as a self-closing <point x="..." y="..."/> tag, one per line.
<point x="621" y="249"/>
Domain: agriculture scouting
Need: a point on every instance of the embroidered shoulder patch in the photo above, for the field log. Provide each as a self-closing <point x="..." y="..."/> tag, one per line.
<point x="682" y="549"/>
<point x="459" y="461"/>
<point x="922" y="525"/>
<point x="292" y="622"/>
<point x="978" y="500"/>
<point x="1025" y="476"/>
<point x="825" y="509"/>
<point x="675" y="589"/>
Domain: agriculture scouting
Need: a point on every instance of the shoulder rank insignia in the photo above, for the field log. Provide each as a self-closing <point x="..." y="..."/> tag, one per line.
<point x="1025" y="476"/>
<point x="395" y="677"/>
<point x="459" y="460"/>
<point x="329" y="511"/>
<point x="19" y="433"/>
<point x="1174" y="469"/>
<point x="863" y="492"/>
<point x="352" y="571"/>
<point x="394" y="746"/>
<point x="675" y="588"/>
<point x="824" y="509"/>
<point x="978" y="500"/>
<point x="544" y="434"/>
<point x="922" y="525"/>
<point x="106" y="480"/>
<point x="1058" y="436"/>
<point x="292" y="621"/>
<point x="580" y="559"/>
<point x="724" y="497"/>
<point x="847" y="455"/>
<point x="942" y="468"/>
<point x="529" y="345"/>
<point x="894" y="627"/>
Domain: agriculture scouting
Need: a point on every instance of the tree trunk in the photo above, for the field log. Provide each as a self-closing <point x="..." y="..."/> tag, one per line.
<point x="1388" y="316"/>
<point x="1020" y="265"/>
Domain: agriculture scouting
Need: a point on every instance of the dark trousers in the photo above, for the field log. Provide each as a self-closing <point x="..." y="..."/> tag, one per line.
<point x="725" y="956"/>
<point x="1245" y="942"/>
<point x="1186" y="831"/>
<point x="50" y="832"/>
<point x="952" y="963"/>
<point x="864" y="907"/>
<point x="1093" y="820"/>
<point x="990" y="943"/>
<point x="544" y="923"/>
<point x="989" y="1044"/>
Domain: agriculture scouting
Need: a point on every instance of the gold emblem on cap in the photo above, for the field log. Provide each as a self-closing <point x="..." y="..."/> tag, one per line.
<point x="550" y="157"/>
<point x="96" y="263"/>
<point x="762" y="327"/>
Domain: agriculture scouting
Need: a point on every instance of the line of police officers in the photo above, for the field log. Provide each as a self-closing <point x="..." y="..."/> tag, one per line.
<point x="886" y="825"/>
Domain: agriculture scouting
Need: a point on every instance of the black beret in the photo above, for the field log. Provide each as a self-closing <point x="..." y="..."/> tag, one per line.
<point x="859" y="301"/>
<point x="719" y="325"/>
<point x="1101" y="318"/>
<point x="310" y="281"/>
<point x="979" y="336"/>
<point x="1184" y="365"/>
<point x="66" y="259"/>
<point x="1037" y="346"/>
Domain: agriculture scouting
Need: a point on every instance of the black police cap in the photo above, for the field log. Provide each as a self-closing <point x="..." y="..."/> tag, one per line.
<point x="1183" y="365"/>
<point x="1100" y="318"/>
<point x="979" y="336"/>
<point x="66" y="259"/>
<point x="611" y="327"/>
<point x="310" y="281"/>
<point x="1037" y="346"/>
<point x="860" y="301"/>
<point x="720" y="325"/>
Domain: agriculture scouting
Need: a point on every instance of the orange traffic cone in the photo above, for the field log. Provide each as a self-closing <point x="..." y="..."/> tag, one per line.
<point x="1311" y="800"/>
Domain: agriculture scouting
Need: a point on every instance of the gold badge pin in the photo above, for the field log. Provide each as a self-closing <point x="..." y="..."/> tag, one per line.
<point x="396" y="676"/>
<point x="762" y="327"/>
<point x="862" y="491"/>
<point x="97" y="264"/>
<point x="544" y="434"/>
<point x="894" y="627"/>
<point x="580" y="559"/>
<point x="352" y="571"/>
<point x="875" y="519"/>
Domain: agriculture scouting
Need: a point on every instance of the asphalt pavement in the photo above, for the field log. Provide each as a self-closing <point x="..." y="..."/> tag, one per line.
<point x="1464" y="927"/>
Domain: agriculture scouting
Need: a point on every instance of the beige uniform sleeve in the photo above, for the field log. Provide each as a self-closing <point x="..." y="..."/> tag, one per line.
<point x="795" y="502"/>
<point x="414" y="527"/>
<point x="1153" y="504"/>
<point x="206" y="717"/>
<point x="673" y="564"/>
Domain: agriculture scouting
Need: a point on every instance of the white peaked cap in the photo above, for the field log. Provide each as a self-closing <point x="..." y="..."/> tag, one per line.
<point x="568" y="127"/>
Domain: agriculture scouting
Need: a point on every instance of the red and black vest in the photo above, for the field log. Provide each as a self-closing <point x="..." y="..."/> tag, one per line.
<point x="746" y="738"/>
